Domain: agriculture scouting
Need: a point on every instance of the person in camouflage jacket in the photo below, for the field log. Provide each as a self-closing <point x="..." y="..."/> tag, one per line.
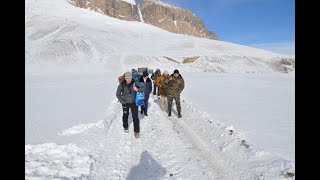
<point x="175" y="86"/>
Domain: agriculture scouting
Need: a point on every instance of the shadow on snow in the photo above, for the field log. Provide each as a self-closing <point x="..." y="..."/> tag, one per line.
<point x="148" y="168"/>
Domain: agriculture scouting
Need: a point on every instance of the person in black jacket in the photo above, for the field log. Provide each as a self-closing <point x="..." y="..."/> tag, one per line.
<point x="154" y="78"/>
<point x="147" y="90"/>
<point x="126" y="94"/>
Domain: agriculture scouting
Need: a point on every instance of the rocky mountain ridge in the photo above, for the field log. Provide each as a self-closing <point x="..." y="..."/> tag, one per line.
<point x="153" y="12"/>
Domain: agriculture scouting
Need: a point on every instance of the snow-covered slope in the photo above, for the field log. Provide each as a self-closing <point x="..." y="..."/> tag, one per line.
<point x="59" y="33"/>
<point x="73" y="120"/>
<point x="130" y="1"/>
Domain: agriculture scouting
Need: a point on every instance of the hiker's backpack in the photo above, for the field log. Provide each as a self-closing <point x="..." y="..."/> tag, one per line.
<point x="139" y="98"/>
<point x="121" y="78"/>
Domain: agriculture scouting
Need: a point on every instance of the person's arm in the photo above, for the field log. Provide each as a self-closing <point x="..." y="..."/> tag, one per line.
<point x="150" y="87"/>
<point x="166" y="82"/>
<point x="182" y="84"/>
<point x="118" y="94"/>
<point x="139" y="86"/>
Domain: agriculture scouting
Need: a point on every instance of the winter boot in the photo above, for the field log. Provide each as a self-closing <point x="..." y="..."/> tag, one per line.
<point x="141" y="111"/>
<point x="137" y="135"/>
<point x="169" y="114"/>
<point x="126" y="130"/>
<point x="179" y="115"/>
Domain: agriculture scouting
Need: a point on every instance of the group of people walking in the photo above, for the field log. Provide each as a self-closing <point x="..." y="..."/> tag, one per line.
<point x="165" y="87"/>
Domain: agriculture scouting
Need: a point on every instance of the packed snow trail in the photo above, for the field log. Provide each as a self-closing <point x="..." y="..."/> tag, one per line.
<point x="180" y="148"/>
<point x="157" y="153"/>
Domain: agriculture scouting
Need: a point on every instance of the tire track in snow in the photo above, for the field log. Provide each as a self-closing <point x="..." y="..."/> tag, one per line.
<point x="176" y="155"/>
<point x="209" y="154"/>
<point x="187" y="134"/>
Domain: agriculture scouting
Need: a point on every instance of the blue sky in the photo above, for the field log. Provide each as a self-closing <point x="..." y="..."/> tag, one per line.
<point x="266" y="24"/>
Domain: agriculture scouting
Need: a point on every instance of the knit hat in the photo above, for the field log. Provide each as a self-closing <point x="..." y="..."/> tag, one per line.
<point x="176" y="71"/>
<point x="165" y="72"/>
<point x="145" y="74"/>
<point x="128" y="74"/>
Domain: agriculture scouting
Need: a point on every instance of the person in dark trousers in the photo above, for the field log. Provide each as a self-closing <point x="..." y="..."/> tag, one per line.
<point x="154" y="77"/>
<point x="148" y="89"/>
<point x="175" y="87"/>
<point x="126" y="93"/>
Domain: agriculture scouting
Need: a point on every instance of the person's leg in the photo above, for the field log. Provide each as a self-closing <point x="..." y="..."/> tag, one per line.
<point x="142" y="109"/>
<point x="169" y="105"/>
<point x="136" y="123"/>
<point x="158" y="88"/>
<point x="162" y="102"/>
<point x="178" y="104"/>
<point x="125" y="116"/>
<point x="145" y="106"/>
<point x="154" y="88"/>
<point x="165" y="103"/>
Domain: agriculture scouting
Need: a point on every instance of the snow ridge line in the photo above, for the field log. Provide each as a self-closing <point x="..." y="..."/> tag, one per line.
<point x="112" y="113"/>
<point x="105" y="123"/>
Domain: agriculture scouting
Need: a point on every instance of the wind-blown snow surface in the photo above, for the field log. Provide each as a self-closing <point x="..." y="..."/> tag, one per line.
<point x="234" y="126"/>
